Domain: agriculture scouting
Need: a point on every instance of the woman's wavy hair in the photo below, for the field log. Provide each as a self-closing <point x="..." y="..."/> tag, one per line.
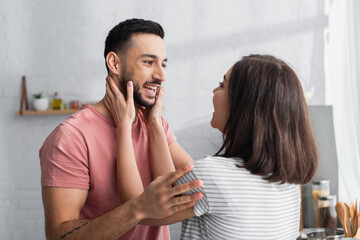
<point x="268" y="126"/>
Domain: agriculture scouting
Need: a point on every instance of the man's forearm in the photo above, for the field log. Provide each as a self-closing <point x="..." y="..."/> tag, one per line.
<point x="160" y="199"/>
<point x="111" y="225"/>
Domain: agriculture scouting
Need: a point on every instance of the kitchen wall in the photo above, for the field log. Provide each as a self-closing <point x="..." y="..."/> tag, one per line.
<point x="58" y="46"/>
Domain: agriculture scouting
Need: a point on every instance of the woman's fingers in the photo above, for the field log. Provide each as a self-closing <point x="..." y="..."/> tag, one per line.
<point x="114" y="92"/>
<point x="107" y="102"/>
<point x="130" y="92"/>
<point x="109" y="95"/>
<point x="157" y="109"/>
<point x="160" y="96"/>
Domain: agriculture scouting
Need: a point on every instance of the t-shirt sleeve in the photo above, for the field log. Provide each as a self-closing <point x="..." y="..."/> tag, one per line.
<point x="202" y="206"/>
<point x="170" y="136"/>
<point x="64" y="160"/>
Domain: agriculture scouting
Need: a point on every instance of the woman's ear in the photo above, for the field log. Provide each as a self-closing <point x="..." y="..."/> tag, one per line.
<point x="113" y="63"/>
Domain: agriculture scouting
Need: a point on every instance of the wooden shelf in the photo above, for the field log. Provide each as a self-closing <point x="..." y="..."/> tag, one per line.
<point x="47" y="112"/>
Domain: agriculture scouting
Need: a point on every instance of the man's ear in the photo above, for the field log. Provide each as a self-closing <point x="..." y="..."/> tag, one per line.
<point x="113" y="62"/>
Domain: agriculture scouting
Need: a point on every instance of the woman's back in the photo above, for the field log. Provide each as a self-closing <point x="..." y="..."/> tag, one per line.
<point x="240" y="205"/>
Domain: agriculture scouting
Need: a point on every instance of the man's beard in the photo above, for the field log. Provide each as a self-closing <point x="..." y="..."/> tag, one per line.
<point x="138" y="99"/>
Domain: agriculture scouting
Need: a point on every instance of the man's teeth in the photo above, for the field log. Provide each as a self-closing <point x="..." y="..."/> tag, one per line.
<point x="151" y="88"/>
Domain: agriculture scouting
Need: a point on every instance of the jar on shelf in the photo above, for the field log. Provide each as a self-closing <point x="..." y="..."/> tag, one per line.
<point x="327" y="212"/>
<point x="56" y="101"/>
<point x="319" y="188"/>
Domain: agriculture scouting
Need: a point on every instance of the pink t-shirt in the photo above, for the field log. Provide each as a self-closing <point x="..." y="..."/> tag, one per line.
<point x="81" y="153"/>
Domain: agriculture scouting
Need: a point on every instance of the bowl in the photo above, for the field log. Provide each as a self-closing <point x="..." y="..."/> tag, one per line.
<point x="323" y="233"/>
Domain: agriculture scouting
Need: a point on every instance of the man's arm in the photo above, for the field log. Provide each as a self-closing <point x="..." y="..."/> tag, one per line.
<point x="174" y="218"/>
<point x="62" y="208"/>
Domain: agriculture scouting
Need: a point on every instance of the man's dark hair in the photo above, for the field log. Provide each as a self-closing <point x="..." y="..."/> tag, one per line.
<point x="268" y="126"/>
<point x="118" y="39"/>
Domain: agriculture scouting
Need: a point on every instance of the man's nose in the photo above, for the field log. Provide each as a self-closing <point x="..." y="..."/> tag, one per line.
<point x="159" y="73"/>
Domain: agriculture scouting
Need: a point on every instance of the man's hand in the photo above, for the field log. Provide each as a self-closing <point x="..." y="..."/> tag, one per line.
<point x="160" y="199"/>
<point x="63" y="205"/>
<point x="122" y="111"/>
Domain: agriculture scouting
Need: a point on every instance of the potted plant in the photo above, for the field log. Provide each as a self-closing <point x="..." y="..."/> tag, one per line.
<point x="40" y="103"/>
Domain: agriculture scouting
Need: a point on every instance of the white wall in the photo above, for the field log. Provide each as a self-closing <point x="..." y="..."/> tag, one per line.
<point x="58" y="45"/>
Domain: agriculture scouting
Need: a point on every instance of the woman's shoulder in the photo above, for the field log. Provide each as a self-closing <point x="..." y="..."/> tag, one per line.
<point x="217" y="165"/>
<point x="216" y="160"/>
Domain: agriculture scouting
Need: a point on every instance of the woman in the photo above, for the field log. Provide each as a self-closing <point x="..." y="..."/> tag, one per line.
<point x="250" y="186"/>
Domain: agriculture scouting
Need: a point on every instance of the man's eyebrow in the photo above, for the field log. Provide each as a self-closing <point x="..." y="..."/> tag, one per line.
<point x="153" y="56"/>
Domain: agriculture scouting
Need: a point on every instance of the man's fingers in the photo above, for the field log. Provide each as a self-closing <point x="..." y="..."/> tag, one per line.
<point x="185" y="199"/>
<point x="185" y="187"/>
<point x="172" y="177"/>
<point x="181" y="207"/>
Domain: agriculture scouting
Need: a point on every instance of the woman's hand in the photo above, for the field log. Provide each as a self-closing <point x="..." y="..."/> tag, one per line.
<point x="153" y="115"/>
<point x="122" y="111"/>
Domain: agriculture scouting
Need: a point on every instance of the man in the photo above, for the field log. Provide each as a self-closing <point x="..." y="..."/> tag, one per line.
<point x="78" y="162"/>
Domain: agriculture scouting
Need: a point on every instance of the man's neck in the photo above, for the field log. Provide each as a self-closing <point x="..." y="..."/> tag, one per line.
<point x="100" y="106"/>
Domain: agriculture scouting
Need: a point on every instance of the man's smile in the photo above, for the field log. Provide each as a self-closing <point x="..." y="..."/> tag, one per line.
<point x="151" y="89"/>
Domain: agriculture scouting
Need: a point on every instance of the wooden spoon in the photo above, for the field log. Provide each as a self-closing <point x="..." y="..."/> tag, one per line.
<point x="352" y="216"/>
<point x="356" y="215"/>
<point x="347" y="220"/>
<point x="356" y="225"/>
<point x="341" y="213"/>
<point x="357" y="220"/>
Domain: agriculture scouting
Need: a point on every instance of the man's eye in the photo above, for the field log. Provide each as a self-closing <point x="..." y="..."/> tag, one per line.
<point x="149" y="62"/>
<point x="163" y="65"/>
<point x="221" y="84"/>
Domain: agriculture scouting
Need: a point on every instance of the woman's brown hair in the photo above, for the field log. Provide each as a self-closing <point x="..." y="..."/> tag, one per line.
<point x="268" y="126"/>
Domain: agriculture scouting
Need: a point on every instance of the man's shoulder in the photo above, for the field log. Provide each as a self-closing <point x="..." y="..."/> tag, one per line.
<point x="76" y="124"/>
<point x="64" y="133"/>
<point x="81" y="115"/>
<point x="87" y="117"/>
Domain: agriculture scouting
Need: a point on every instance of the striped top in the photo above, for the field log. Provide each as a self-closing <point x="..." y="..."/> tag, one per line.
<point x="240" y="205"/>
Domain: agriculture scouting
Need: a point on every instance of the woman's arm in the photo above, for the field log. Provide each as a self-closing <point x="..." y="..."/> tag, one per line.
<point x="161" y="161"/>
<point x="123" y="113"/>
<point x="179" y="155"/>
<point x="129" y="180"/>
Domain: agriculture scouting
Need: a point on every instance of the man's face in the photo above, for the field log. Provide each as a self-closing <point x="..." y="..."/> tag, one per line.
<point x="144" y="66"/>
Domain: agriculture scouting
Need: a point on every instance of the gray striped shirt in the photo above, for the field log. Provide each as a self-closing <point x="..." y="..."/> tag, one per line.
<point x="240" y="205"/>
